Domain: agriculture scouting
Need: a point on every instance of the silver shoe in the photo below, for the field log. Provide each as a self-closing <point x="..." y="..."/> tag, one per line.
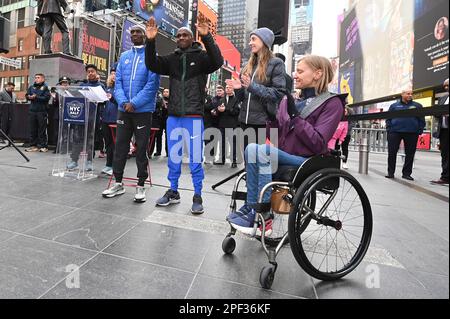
<point x="116" y="190"/>
<point x="140" y="195"/>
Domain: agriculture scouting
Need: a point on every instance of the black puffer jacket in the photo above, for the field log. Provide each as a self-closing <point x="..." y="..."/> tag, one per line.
<point x="188" y="70"/>
<point x="260" y="101"/>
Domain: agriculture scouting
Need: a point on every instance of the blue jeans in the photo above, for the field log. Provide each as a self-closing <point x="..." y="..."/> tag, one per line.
<point x="185" y="132"/>
<point x="261" y="162"/>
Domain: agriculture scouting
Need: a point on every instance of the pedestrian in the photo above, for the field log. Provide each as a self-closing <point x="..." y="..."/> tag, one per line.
<point x="339" y="136"/>
<point x="187" y="68"/>
<point x="64" y="83"/>
<point x="227" y="114"/>
<point x="442" y="134"/>
<point x="289" y="80"/>
<point x="407" y="130"/>
<point x="92" y="80"/>
<point x="303" y="134"/>
<point x="210" y="122"/>
<point x="7" y="96"/>
<point x="135" y="92"/>
<point x="163" y="132"/>
<point x="39" y="95"/>
<point x="345" y="145"/>
<point x="261" y="86"/>
<point x="109" y="122"/>
<point x="157" y="120"/>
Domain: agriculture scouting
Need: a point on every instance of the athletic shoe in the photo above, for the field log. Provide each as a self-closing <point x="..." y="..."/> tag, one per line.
<point x="43" y="150"/>
<point x="269" y="230"/>
<point x="89" y="166"/>
<point x="344" y="165"/>
<point x="140" y="195"/>
<point x="32" y="149"/>
<point x="107" y="171"/>
<point x="197" y="206"/>
<point x="440" y="182"/>
<point x="116" y="190"/>
<point x="72" y="165"/>
<point x="243" y="220"/>
<point x="171" y="197"/>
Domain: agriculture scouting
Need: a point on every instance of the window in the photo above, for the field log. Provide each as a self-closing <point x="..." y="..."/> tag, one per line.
<point x="20" y="45"/>
<point x="21" y="18"/>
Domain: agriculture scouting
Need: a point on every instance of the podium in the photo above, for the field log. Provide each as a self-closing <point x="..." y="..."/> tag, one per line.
<point x="77" y="121"/>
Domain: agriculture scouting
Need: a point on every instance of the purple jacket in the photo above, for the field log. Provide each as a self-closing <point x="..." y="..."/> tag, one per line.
<point x="308" y="137"/>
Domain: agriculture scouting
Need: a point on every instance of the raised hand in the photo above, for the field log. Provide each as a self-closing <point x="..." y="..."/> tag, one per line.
<point x="202" y="26"/>
<point x="235" y="83"/>
<point x="151" y="29"/>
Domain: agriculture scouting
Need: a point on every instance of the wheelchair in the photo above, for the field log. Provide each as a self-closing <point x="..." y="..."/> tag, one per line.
<point x="328" y="223"/>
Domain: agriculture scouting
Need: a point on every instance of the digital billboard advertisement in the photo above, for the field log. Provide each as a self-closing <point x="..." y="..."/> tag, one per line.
<point x="170" y="15"/>
<point x="388" y="46"/>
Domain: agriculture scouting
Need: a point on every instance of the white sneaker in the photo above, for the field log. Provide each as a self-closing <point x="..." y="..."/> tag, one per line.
<point x="116" y="190"/>
<point x="108" y="171"/>
<point x="140" y="195"/>
<point x="344" y="166"/>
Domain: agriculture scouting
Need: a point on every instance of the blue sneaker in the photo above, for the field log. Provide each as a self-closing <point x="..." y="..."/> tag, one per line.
<point x="243" y="220"/>
<point x="197" y="205"/>
<point x="72" y="165"/>
<point x="171" y="197"/>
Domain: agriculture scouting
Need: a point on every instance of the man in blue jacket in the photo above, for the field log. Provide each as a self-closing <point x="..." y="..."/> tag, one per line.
<point x="135" y="92"/>
<point x="39" y="95"/>
<point x="407" y="129"/>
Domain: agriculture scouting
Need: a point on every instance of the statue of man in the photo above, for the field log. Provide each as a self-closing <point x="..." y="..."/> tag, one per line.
<point x="51" y="12"/>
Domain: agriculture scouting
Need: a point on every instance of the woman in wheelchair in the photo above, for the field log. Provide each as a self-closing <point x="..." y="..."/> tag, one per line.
<point x="304" y="129"/>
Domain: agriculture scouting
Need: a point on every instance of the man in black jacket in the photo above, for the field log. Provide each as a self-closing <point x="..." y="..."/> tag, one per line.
<point x="442" y="134"/>
<point x="228" y="113"/>
<point x="188" y="68"/>
<point x="39" y="95"/>
<point x="50" y="11"/>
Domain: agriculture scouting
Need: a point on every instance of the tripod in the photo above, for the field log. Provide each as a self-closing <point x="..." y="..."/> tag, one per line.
<point x="229" y="178"/>
<point x="11" y="143"/>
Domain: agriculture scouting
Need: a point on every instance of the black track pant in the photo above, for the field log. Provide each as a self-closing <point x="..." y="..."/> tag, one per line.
<point x="140" y="125"/>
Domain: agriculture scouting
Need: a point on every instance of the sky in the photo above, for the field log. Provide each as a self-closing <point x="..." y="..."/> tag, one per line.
<point x="325" y="26"/>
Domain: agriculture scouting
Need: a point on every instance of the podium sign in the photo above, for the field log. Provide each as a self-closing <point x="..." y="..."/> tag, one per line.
<point x="77" y="120"/>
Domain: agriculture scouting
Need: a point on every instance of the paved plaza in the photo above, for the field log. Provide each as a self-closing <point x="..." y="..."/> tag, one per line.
<point x="50" y="226"/>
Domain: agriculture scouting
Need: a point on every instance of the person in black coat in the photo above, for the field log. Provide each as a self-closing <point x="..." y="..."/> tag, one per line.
<point x="442" y="134"/>
<point x="228" y="113"/>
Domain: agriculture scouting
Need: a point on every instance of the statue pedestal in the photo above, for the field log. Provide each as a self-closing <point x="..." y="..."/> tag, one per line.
<point x="57" y="65"/>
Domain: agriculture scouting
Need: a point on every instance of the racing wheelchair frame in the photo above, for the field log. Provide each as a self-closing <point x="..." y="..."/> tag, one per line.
<point x="330" y="220"/>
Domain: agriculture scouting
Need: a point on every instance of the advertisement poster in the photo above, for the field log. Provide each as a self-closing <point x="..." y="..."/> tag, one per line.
<point x="170" y="15"/>
<point x="95" y="46"/>
<point x="431" y="64"/>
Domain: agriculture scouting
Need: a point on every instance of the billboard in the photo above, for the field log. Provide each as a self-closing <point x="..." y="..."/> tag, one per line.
<point x="205" y="12"/>
<point x="387" y="46"/>
<point x="95" y="46"/>
<point x="170" y="15"/>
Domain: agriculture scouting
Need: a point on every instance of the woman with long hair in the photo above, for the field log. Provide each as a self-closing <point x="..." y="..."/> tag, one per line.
<point x="261" y="86"/>
<point x="110" y="118"/>
<point x="304" y="129"/>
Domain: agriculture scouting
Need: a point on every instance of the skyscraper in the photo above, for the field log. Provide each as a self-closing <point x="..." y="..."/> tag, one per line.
<point x="302" y="29"/>
<point x="237" y="19"/>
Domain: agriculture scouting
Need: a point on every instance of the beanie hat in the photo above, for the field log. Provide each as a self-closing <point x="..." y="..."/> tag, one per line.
<point x="266" y="35"/>
<point x="138" y="27"/>
<point x="187" y="30"/>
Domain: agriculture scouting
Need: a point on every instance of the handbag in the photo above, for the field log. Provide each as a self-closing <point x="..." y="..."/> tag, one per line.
<point x="280" y="201"/>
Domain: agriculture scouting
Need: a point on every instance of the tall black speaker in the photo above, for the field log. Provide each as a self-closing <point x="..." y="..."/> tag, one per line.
<point x="4" y="35"/>
<point x="274" y="14"/>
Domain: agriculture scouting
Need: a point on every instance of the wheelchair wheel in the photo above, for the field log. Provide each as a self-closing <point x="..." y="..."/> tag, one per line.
<point x="228" y="245"/>
<point x="280" y="225"/>
<point x="337" y="235"/>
